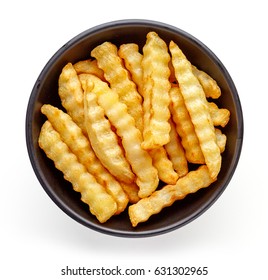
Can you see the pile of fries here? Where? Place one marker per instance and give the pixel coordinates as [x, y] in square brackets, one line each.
[133, 123]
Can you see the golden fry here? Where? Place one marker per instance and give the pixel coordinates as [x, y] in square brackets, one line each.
[133, 58]
[101, 204]
[220, 117]
[89, 66]
[124, 124]
[164, 166]
[78, 143]
[103, 140]
[176, 152]
[185, 127]
[197, 106]
[156, 92]
[221, 139]
[132, 191]
[191, 183]
[209, 85]
[71, 95]
[118, 78]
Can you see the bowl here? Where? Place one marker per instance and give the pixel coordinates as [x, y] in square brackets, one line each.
[45, 91]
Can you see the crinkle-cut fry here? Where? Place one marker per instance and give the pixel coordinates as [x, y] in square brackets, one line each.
[176, 152]
[209, 85]
[101, 204]
[71, 95]
[118, 77]
[191, 183]
[221, 139]
[132, 59]
[132, 191]
[220, 117]
[79, 144]
[156, 74]
[139, 159]
[89, 66]
[185, 127]
[103, 140]
[164, 166]
[196, 103]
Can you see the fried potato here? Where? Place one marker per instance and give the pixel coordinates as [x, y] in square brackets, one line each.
[132, 191]
[197, 106]
[103, 139]
[156, 88]
[79, 144]
[164, 166]
[209, 85]
[89, 66]
[221, 139]
[101, 204]
[176, 152]
[185, 127]
[132, 59]
[139, 159]
[71, 95]
[220, 117]
[118, 78]
[191, 183]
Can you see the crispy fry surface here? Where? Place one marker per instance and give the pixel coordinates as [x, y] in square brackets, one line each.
[133, 58]
[196, 104]
[176, 152]
[71, 94]
[209, 85]
[103, 139]
[101, 204]
[89, 66]
[164, 166]
[79, 144]
[185, 127]
[156, 88]
[220, 117]
[118, 77]
[124, 123]
[191, 183]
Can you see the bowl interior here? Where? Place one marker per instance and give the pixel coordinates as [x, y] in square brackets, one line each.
[45, 91]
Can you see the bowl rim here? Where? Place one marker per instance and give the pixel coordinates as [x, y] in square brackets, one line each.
[29, 117]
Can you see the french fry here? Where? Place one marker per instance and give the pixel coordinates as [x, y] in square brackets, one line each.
[197, 106]
[103, 140]
[221, 139]
[164, 166]
[101, 204]
[133, 58]
[176, 152]
[89, 66]
[71, 95]
[191, 183]
[118, 78]
[209, 85]
[185, 127]
[139, 159]
[156, 92]
[132, 191]
[220, 117]
[78, 143]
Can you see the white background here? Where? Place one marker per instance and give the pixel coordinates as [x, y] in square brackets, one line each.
[38, 239]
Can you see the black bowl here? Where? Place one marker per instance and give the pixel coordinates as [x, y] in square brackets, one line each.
[45, 91]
